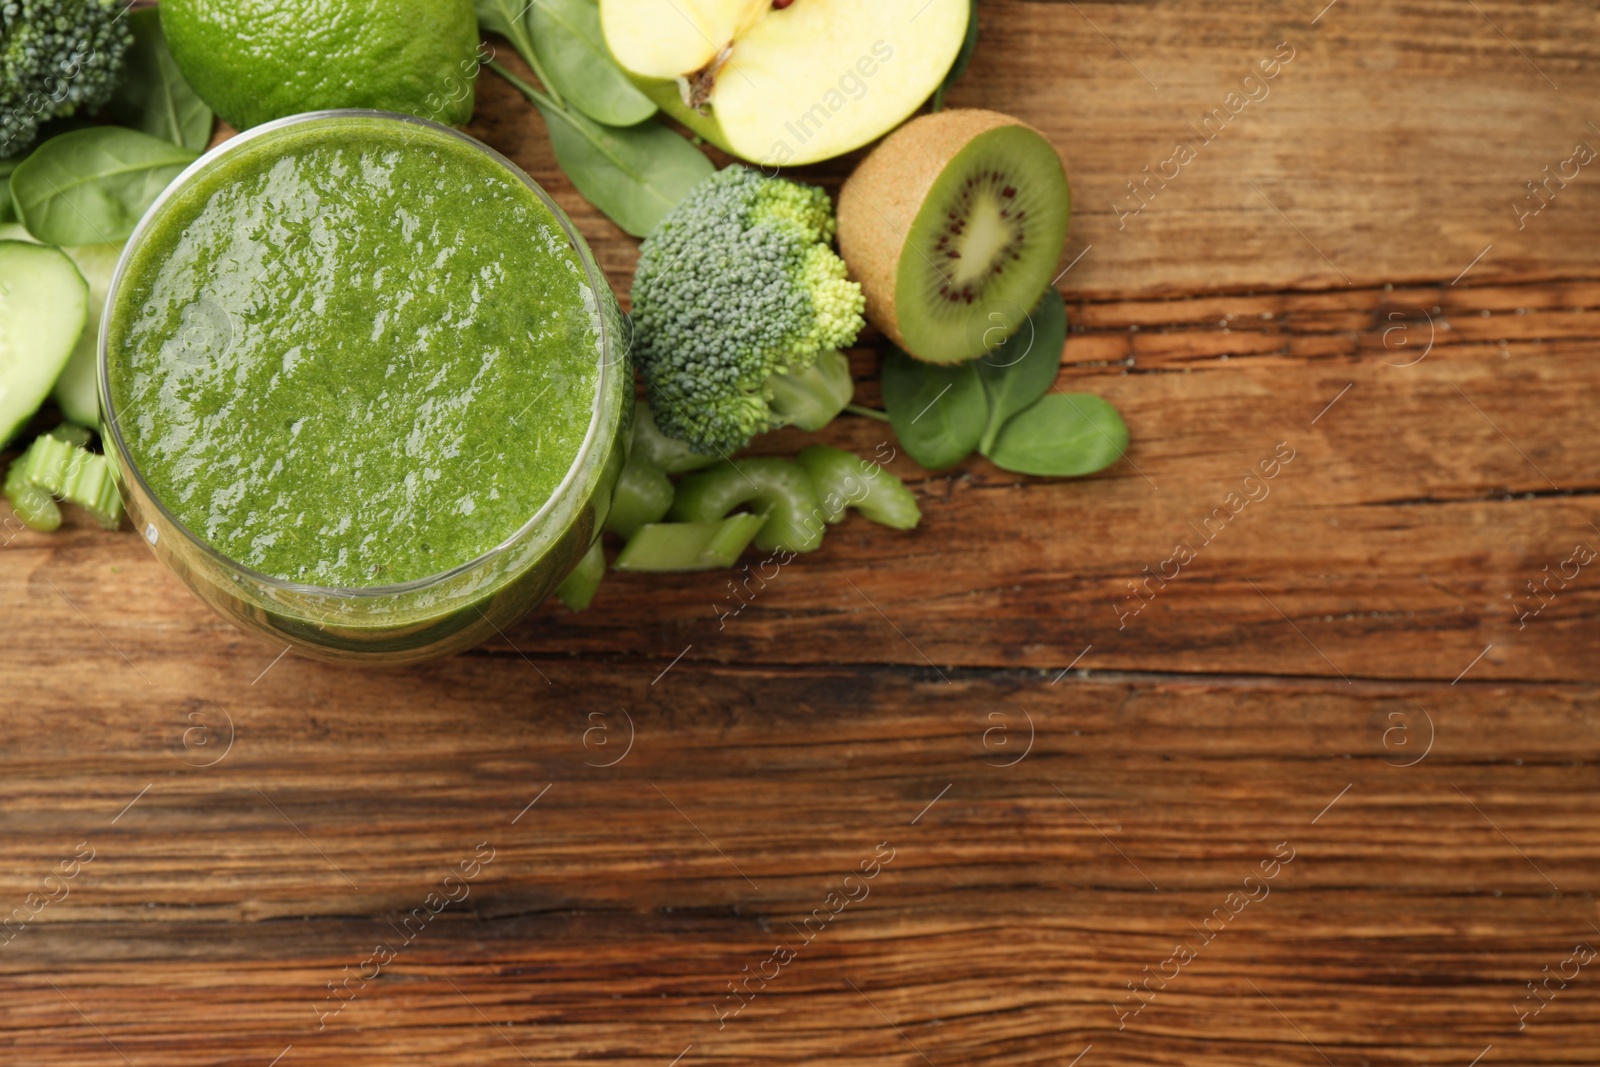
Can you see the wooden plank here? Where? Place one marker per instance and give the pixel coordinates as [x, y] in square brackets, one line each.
[1018, 902]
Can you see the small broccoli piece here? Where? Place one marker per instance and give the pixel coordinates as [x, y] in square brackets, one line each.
[737, 287]
[57, 58]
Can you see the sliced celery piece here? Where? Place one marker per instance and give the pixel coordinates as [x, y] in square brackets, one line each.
[578, 588]
[844, 480]
[768, 483]
[690, 546]
[58, 465]
[35, 507]
[644, 494]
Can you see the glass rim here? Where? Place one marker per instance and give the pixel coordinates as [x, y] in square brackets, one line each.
[596, 281]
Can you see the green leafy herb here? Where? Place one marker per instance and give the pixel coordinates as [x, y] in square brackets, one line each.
[1062, 435]
[635, 174]
[938, 410]
[153, 97]
[508, 19]
[969, 45]
[1023, 368]
[92, 186]
[567, 39]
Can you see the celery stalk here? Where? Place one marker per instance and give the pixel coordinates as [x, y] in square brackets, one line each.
[57, 465]
[689, 546]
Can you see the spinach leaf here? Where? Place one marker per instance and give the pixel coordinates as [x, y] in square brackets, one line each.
[508, 19]
[969, 45]
[1023, 367]
[938, 410]
[505, 18]
[566, 35]
[1062, 435]
[633, 174]
[92, 186]
[152, 96]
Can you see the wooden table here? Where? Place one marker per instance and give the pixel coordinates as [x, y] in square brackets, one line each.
[1077, 800]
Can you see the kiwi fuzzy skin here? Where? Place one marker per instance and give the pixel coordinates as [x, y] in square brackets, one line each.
[881, 200]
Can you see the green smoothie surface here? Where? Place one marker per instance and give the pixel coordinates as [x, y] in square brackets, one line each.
[354, 352]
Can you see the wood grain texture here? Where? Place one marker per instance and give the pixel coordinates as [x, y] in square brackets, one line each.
[1019, 900]
[1340, 672]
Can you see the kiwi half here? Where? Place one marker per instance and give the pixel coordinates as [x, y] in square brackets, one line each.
[954, 227]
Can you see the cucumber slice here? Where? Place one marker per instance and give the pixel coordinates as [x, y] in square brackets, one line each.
[77, 390]
[44, 303]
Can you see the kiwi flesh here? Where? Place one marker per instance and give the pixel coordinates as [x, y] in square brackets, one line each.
[954, 227]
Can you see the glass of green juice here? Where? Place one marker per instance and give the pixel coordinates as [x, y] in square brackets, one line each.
[364, 385]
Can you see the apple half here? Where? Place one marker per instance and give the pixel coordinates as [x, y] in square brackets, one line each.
[786, 82]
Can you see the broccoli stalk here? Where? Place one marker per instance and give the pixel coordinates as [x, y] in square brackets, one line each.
[740, 306]
[57, 58]
[810, 399]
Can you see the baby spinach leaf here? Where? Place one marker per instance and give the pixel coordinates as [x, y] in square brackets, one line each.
[153, 97]
[566, 35]
[937, 410]
[508, 18]
[969, 45]
[505, 18]
[635, 174]
[1062, 435]
[92, 186]
[1024, 366]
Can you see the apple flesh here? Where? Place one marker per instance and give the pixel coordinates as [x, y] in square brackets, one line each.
[792, 84]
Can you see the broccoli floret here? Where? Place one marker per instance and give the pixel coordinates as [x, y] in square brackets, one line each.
[57, 58]
[738, 288]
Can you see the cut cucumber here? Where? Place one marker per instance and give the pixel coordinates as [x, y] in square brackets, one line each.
[77, 390]
[44, 303]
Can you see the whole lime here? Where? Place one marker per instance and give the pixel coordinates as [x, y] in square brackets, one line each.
[257, 60]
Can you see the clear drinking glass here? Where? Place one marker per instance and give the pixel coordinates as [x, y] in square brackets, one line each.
[428, 617]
